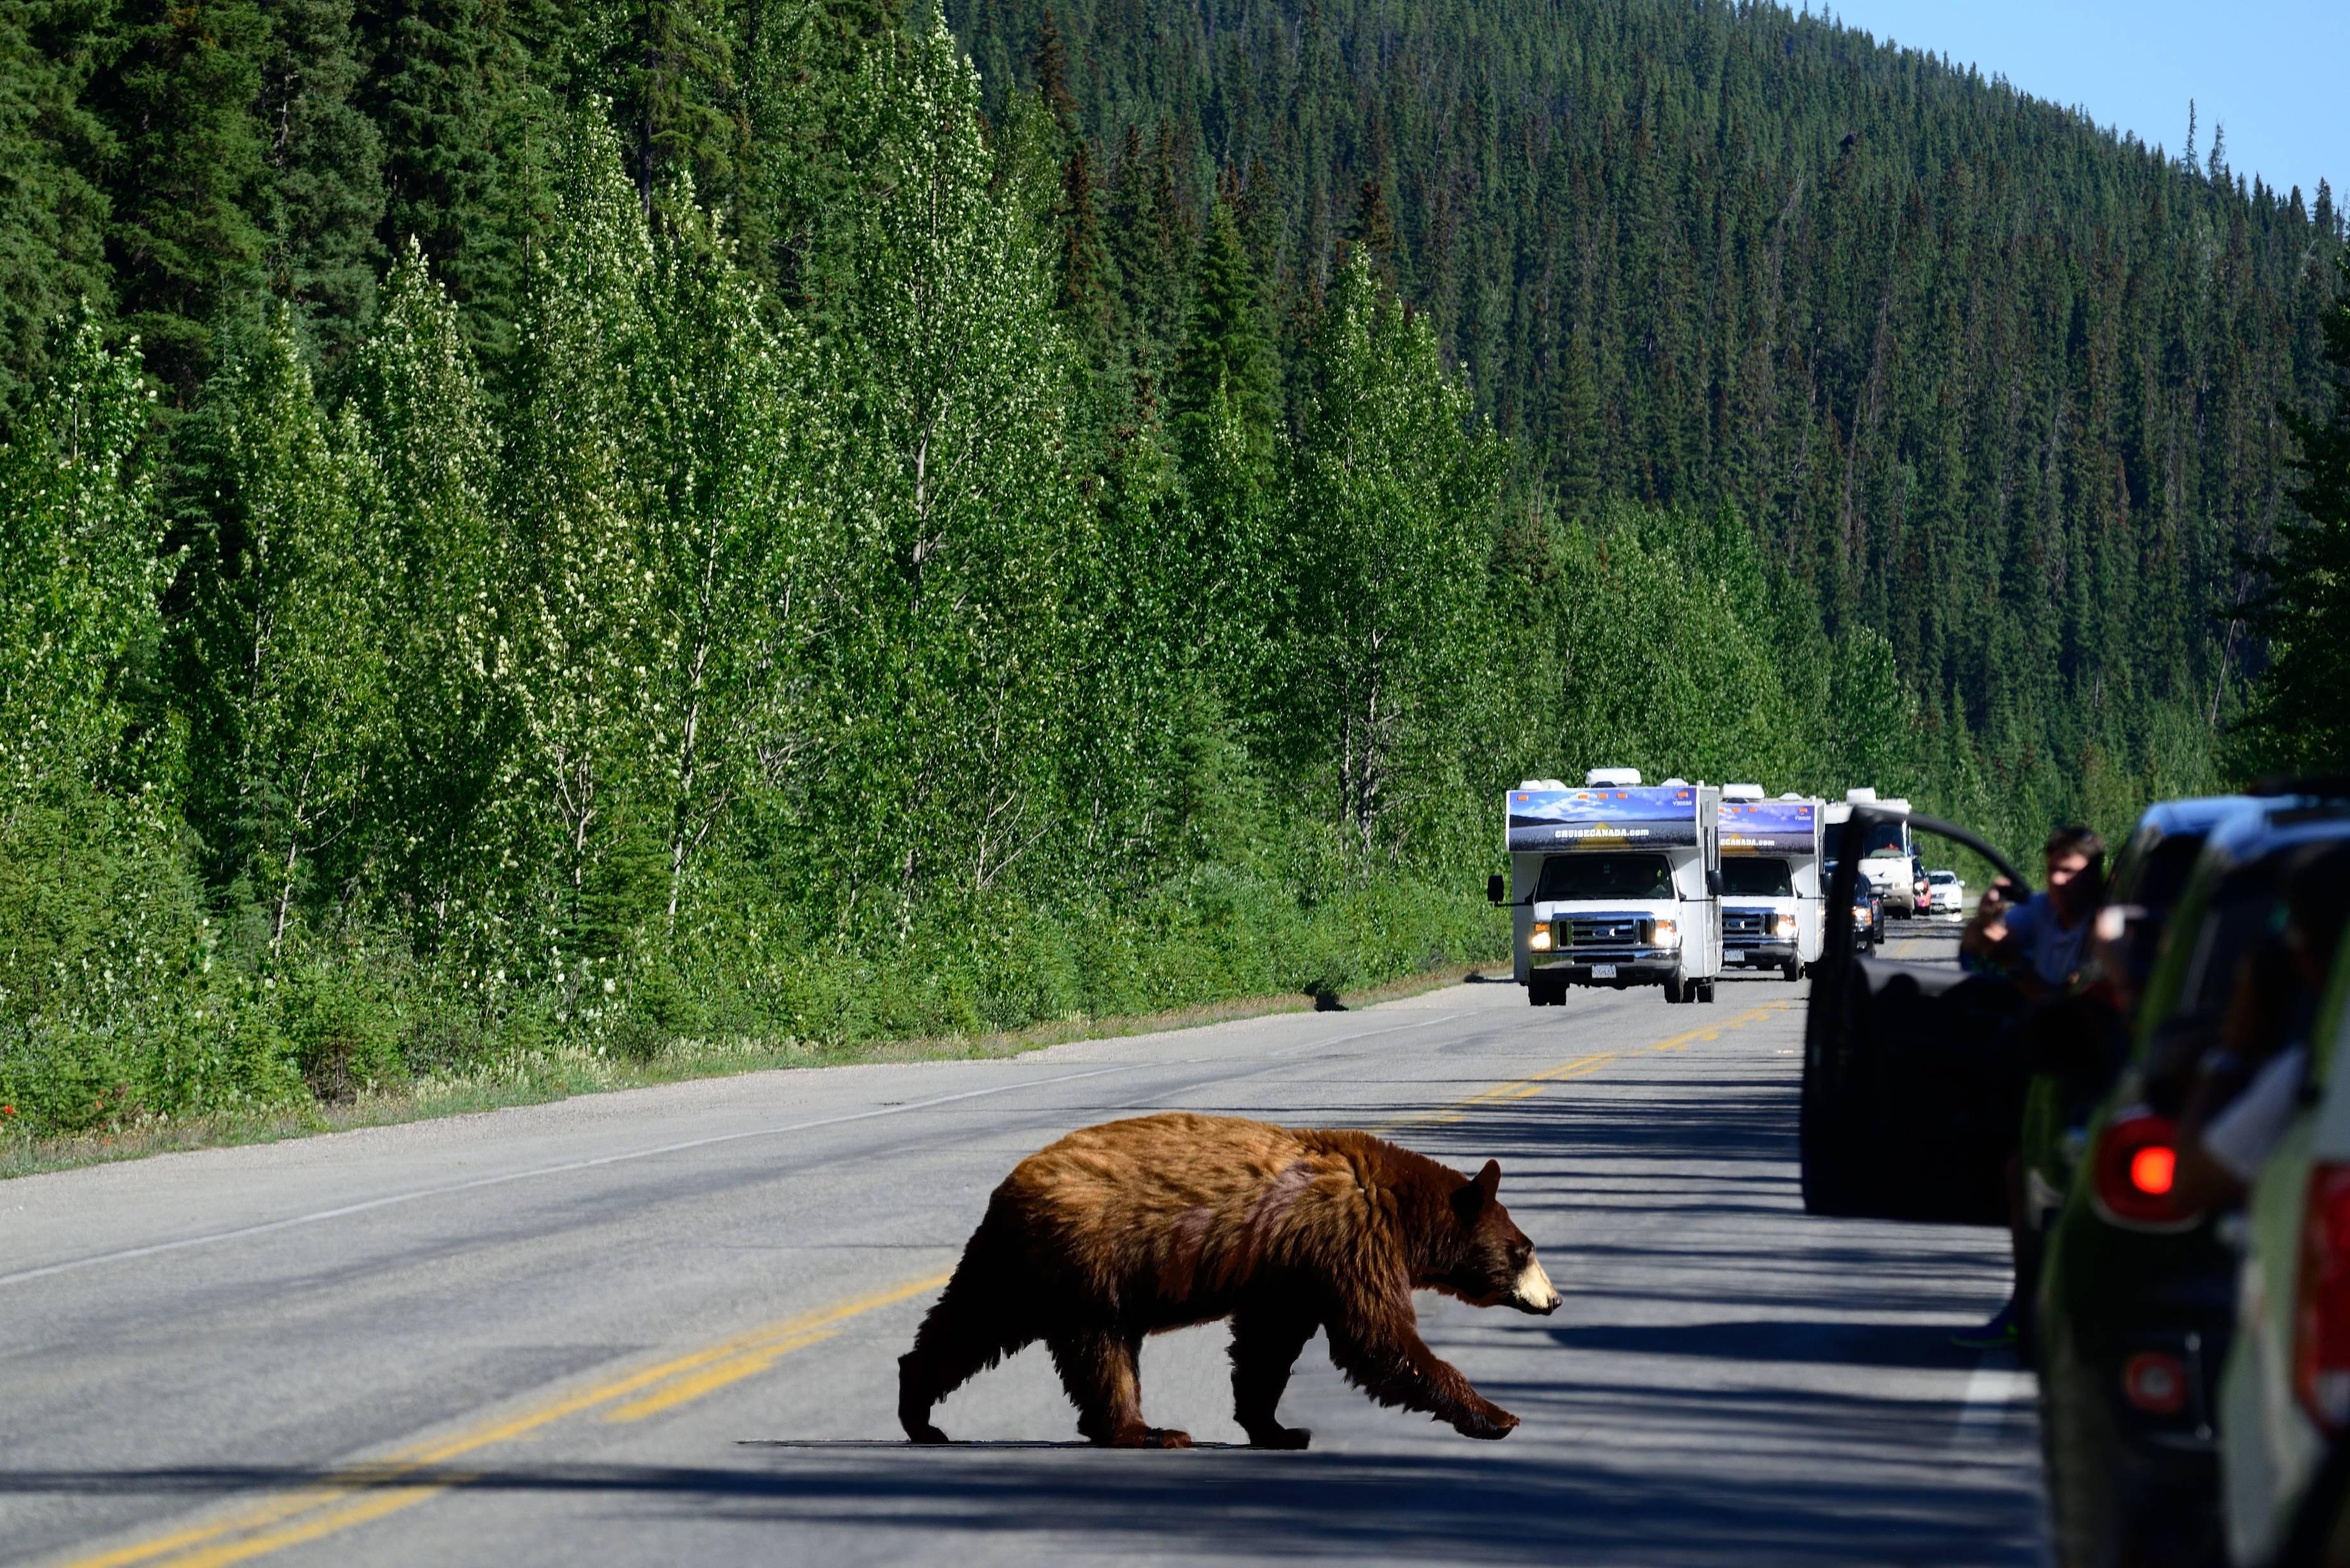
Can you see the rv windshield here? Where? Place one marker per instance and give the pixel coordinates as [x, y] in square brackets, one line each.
[1886, 838]
[1604, 877]
[1756, 877]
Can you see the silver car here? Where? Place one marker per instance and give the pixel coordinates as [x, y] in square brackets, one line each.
[1946, 895]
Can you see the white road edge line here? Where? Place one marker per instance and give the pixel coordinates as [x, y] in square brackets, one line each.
[1992, 1390]
[185, 1243]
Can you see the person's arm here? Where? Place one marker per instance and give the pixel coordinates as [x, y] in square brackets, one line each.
[1985, 931]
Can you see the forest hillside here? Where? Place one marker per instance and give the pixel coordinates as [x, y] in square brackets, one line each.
[535, 532]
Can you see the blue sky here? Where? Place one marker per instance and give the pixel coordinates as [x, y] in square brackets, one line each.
[2275, 72]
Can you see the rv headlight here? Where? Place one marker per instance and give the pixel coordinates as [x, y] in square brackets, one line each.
[1666, 933]
[1784, 925]
[1539, 940]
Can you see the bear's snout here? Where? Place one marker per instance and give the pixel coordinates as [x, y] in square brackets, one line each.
[1533, 1292]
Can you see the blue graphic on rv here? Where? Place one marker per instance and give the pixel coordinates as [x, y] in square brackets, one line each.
[1654, 814]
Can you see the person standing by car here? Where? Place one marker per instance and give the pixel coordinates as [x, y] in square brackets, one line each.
[2039, 945]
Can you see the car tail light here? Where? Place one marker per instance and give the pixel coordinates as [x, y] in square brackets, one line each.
[2155, 1383]
[2321, 1348]
[2136, 1171]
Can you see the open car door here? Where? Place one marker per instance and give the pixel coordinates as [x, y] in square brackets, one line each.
[1913, 1078]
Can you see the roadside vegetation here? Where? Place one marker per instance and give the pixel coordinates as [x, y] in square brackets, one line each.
[787, 545]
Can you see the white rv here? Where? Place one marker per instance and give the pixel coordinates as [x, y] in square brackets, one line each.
[1773, 897]
[1888, 858]
[1613, 884]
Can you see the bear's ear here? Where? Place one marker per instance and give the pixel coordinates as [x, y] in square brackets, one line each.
[1477, 1193]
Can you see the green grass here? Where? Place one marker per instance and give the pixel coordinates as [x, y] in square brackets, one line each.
[560, 1072]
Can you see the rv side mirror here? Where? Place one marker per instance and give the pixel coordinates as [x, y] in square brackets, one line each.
[1713, 881]
[1496, 892]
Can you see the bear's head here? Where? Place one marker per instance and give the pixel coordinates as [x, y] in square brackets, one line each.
[1489, 1261]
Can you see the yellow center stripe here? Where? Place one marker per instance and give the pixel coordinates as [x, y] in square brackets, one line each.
[1580, 1067]
[686, 1377]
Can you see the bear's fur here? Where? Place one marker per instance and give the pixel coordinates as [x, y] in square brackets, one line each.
[1135, 1227]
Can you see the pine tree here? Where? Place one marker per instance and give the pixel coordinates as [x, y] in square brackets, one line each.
[449, 92]
[669, 70]
[2295, 721]
[1226, 373]
[325, 174]
[52, 209]
[185, 180]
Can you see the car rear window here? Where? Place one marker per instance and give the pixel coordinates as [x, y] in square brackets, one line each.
[2243, 912]
[2162, 876]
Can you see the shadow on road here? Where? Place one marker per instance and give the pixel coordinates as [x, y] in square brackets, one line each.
[1482, 1506]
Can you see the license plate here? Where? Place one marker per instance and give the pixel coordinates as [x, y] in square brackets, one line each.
[1603, 972]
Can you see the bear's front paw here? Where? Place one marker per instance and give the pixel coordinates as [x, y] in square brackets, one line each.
[1290, 1437]
[924, 1432]
[1489, 1423]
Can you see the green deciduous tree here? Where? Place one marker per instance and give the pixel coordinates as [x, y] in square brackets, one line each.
[1391, 520]
[735, 543]
[425, 493]
[291, 705]
[953, 376]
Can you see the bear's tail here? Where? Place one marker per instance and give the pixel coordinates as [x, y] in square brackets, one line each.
[976, 1322]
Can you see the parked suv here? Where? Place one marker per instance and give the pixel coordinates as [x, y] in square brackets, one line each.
[2136, 1290]
[2074, 1060]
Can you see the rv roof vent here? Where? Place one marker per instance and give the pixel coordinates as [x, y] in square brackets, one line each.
[1860, 797]
[1741, 791]
[1611, 778]
[1674, 784]
[1791, 794]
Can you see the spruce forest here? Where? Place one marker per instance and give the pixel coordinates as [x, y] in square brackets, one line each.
[538, 532]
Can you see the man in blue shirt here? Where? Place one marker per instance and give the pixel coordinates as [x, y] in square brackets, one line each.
[2040, 945]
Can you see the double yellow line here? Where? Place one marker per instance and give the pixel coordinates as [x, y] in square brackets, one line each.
[356, 1494]
[1581, 1067]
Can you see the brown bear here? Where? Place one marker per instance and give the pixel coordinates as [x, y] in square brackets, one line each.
[1136, 1227]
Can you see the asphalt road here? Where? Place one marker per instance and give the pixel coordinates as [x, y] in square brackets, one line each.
[661, 1327]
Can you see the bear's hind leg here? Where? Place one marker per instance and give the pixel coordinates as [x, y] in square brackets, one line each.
[1099, 1369]
[1265, 1344]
